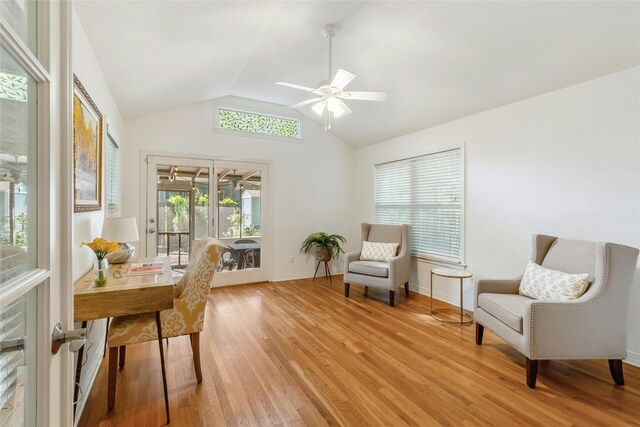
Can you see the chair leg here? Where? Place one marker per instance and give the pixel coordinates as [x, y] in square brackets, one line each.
[123, 353]
[406, 289]
[113, 371]
[615, 366]
[392, 297]
[195, 348]
[164, 372]
[532, 372]
[479, 333]
[366, 291]
[346, 289]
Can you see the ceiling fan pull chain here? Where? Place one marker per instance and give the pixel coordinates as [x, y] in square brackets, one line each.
[330, 37]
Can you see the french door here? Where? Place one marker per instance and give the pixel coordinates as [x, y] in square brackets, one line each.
[191, 198]
[35, 211]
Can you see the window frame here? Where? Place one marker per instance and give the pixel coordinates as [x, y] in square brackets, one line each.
[430, 257]
[110, 140]
[228, 131]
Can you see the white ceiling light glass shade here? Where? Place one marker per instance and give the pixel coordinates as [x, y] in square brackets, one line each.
[328, 101]
[319, 108]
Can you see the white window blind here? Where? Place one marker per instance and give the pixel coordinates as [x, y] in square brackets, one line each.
[425, 192]
[113, 174]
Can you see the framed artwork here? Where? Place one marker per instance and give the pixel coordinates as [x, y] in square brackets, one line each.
[87, 151]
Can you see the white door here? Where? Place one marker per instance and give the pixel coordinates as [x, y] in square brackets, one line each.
[35, 385]
[178, 208]
[189, 198]
[241, 222]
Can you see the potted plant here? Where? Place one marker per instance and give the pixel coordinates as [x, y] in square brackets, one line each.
[327, 246]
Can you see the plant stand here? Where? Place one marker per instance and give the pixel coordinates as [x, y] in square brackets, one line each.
[327, 271]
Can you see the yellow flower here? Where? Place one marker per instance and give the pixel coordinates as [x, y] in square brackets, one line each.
[101, 247]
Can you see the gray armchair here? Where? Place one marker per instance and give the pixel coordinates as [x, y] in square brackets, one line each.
[593, 326]
[381, 274]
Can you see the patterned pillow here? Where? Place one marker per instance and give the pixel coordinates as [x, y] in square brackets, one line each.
[378, 251]
[552, 285]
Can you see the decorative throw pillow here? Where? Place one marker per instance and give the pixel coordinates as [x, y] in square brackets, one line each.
[552, 285]
[377, 251]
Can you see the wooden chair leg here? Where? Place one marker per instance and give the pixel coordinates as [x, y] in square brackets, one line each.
[195, 348]
[392, 297]
[532, 372]
[479, 333]
[113, 371]
[406, 289]
[615, 367]
[346, 289]
[123, 353]
[366, 291]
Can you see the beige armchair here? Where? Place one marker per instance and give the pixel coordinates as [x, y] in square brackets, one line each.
[381, 274]
[593, 326]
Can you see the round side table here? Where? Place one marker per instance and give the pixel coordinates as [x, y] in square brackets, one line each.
[450, 274]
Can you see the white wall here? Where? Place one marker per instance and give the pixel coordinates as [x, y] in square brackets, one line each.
[310, 179]
[87, 226]
[566, 163]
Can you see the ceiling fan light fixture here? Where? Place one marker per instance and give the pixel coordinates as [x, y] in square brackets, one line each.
[319, 108]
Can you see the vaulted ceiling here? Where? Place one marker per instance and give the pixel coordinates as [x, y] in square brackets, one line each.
[438, 61]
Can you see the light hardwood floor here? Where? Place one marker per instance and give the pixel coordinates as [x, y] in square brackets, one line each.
[300, 353]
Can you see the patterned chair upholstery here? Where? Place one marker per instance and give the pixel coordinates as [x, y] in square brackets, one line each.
[185, 318]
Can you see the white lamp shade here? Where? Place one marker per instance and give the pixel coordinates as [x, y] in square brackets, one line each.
[121, 230]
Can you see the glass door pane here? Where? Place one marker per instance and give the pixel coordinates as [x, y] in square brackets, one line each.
[239, 224]
[17, 361]
[182, 210]
[18, 144]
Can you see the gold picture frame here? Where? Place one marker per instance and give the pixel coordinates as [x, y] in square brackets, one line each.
[87, 151]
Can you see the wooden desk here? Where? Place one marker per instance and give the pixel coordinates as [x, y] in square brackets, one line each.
[121, 296]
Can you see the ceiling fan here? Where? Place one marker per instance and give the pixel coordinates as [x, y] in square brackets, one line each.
[329, 96]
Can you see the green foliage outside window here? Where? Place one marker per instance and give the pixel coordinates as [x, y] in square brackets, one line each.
[259, 123]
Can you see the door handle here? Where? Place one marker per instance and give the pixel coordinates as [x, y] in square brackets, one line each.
[151, 230]
[60, 336]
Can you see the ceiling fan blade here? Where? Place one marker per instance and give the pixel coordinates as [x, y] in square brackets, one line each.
[305, 88]
[319, 108]
[342, 78]
[303, 103]
[365, 96]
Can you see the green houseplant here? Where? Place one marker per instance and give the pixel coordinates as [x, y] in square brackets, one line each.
[327, 246]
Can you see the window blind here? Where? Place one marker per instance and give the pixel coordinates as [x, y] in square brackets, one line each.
[425, 192]
[112, 178]
[12, 363]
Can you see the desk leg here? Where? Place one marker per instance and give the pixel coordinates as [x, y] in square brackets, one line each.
[164, 373]
[431, 294]
[76, 386]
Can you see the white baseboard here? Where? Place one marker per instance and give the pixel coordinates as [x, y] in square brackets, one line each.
[441, 296]
[633, 358]
[301, 275]
[92, 372]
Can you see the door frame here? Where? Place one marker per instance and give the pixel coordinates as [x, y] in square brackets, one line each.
[266, 206]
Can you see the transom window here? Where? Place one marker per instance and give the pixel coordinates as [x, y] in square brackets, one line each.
[427, 193]
[258, 123]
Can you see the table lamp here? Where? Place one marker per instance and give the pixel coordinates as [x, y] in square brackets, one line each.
[122, 230]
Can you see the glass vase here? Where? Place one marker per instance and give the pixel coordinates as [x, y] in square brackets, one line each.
[100, 270]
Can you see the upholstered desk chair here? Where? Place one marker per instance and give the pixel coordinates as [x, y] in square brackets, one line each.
[185, 318]
[593, 326]
[390, 274]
